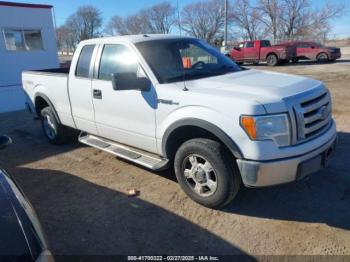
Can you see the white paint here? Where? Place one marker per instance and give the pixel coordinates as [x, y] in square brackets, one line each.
[136, 118]
[12, 63]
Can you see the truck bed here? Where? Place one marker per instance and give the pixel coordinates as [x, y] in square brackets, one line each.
[53, 83]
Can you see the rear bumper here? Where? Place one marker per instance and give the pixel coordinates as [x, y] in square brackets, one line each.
[274, 172]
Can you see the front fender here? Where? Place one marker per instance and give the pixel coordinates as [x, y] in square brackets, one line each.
[225, 128]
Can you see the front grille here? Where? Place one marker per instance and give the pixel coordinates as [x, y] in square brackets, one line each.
[313, 116]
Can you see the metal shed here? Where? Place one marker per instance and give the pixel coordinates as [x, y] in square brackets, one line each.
[27, 42]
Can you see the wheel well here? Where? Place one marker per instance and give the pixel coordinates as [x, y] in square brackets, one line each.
[184, 133]
[40, 104]
[272, 53]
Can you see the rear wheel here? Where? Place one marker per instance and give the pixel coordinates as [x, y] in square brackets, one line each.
[322, 57]
[206, 173]
[272, 60]
[56, 133]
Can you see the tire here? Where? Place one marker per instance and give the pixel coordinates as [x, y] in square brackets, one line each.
[199, 161]
[295, 60]
[272, 60]
[322, 57]
[56, 133]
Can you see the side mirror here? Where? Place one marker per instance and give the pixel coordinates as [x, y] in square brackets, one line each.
[130, 81]
[237, 48]
[4, 141]
[312, 47]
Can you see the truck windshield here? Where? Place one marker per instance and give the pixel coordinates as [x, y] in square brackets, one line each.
[174, 60]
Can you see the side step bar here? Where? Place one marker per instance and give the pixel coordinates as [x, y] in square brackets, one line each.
[131, 154]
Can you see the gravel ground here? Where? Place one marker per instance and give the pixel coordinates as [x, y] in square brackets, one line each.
[80, 196]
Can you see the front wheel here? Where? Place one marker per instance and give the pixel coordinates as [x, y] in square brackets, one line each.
[207, 173]
[322, 57]
[272, 60]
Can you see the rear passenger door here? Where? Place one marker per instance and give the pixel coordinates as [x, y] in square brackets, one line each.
[80, 89]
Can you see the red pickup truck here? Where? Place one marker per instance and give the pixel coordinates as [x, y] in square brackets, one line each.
[314, 51]
[262, 50]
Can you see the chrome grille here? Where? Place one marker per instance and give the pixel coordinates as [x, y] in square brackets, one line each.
[313, 116]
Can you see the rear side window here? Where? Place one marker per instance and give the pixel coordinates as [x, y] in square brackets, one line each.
[83, 66]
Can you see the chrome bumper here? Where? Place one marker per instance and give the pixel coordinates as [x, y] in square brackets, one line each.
[274, 172]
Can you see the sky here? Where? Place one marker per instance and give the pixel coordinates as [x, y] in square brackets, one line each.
[109, 8]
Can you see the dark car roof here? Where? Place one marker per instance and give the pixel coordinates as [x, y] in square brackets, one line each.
[12, 238]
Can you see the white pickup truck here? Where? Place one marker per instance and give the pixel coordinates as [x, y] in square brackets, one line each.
[162, 101]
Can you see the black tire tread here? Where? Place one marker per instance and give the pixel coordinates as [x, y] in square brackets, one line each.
[222, 156]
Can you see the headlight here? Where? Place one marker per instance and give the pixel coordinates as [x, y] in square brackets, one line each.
[269, 127]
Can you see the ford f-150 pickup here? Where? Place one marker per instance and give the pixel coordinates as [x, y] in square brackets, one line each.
[262, 50]
[168, 101]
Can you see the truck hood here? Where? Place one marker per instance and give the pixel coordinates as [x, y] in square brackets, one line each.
[268, 88]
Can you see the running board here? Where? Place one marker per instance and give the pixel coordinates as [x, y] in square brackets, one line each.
[131, 154]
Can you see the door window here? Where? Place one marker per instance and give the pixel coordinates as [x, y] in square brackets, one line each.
[117, 59]
[249, 44]
[84, 62]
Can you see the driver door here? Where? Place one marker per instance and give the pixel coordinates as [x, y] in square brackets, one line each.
[124, 116]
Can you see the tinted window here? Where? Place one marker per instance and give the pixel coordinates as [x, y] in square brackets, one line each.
[303, 45]
[83, 66]
[249, 44]
[175, 60]
[117, 59]
[265, 43]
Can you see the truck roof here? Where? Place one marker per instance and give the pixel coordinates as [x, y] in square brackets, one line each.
[134, 38]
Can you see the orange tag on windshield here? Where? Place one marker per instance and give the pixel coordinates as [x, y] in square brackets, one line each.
[187, 63]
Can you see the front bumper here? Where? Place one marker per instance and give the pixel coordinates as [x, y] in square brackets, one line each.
[274, 172]
[335, 56]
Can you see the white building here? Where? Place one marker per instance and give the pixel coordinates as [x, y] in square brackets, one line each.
[27, 42]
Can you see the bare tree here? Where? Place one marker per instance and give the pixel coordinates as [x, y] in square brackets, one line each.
[66, 40]
[204, 20]
[270, 14]
[247, 17]
[160, 17]
[157, 19]
[299, 20]
[134, 24]
[85, 22]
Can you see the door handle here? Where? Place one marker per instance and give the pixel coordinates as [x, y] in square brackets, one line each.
[97, 94]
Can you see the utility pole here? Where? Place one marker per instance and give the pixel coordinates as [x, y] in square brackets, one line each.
[225, 34]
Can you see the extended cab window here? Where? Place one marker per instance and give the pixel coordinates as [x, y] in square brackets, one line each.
[117, 59]
[83, 66]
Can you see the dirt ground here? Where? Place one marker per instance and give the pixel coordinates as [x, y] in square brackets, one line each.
[80, 196]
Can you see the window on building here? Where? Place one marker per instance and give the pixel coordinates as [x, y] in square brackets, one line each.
[23, 40]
